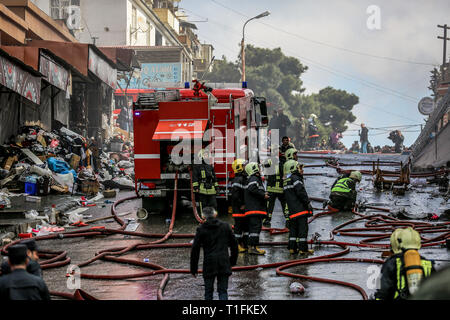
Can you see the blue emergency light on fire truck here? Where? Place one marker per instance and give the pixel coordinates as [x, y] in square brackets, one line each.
[175, 124]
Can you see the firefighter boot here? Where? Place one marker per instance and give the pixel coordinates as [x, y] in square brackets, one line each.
[241, 248]
[256, 250]
[303, 245]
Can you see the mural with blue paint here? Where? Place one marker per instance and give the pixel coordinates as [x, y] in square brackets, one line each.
[152, 74]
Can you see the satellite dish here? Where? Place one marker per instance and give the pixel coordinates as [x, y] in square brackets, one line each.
[426, 106]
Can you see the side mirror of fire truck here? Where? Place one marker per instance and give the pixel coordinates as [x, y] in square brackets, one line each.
[261, 103]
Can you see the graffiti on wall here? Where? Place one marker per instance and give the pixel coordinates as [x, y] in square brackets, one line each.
[153, 75]
[18, 80]
[102, 69]
[54, 73]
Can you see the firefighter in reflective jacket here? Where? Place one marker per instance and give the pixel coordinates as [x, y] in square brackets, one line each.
[238, 205]
[343, 192]
[299, 208]
[255, 206]
[204, 181]
[274, 177]
[403, 271]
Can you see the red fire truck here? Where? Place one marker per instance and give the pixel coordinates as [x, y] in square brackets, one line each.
[171, 126]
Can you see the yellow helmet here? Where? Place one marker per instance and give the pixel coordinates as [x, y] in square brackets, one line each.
[267, 163]
[408, 239]
[252, 168]
[203, 154]
[238, 165]
[290, 153]
[395, 246]
[356, 175]
[291, 166]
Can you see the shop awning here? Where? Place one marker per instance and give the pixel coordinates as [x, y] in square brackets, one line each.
[175, 130]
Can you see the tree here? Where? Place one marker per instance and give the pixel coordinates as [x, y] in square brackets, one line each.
[278, 78]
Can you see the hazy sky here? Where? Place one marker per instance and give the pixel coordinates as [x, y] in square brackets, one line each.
[388, 68]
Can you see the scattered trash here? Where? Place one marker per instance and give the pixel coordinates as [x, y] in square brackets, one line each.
[32, 215]
[297, 287]
[32, 199]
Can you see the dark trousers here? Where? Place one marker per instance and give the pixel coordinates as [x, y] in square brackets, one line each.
[254, 228]
[271, 204]
[207, 200]
[342, 203]
[241, 231]
[222, 287]
[298, 233]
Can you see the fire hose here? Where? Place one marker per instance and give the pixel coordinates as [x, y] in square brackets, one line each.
[375, 223]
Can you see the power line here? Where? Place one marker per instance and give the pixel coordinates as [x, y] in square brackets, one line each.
[337, 72]
[327, 44]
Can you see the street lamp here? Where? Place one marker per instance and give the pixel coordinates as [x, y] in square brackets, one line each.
[264, 14]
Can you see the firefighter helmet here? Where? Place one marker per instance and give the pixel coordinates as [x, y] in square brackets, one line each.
[238, 165]
[394, 241]
[290, 153]
[202, 154]
[267, 163]
[356, 175]
[252, 168]
[408, 239]
[291, 166]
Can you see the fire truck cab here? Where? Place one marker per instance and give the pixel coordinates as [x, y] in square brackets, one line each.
[171, 126]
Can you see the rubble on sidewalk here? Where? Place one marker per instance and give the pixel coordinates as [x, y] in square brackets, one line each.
[37, 163]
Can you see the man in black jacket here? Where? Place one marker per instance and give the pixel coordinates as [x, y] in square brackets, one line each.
[19, 284]
[299, 208]
[33, 265]
[215, 237]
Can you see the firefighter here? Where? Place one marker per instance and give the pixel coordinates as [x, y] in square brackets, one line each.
[299, 208]
[238, 205]
[343, 192]
[255, 206]
[204, 181]
[403, 272]
[274, 179]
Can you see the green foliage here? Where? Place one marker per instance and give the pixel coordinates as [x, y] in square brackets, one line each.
[277, 77]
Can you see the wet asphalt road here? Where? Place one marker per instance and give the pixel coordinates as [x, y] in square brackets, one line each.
[260, 284]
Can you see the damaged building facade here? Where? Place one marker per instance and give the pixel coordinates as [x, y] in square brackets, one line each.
[50, 79]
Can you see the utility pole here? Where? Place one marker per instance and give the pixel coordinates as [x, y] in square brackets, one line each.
[445, 27]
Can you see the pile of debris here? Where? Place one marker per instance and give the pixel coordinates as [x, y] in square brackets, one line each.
[37, 163]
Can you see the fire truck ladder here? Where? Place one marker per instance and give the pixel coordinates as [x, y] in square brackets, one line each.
[223, 151]
[149, 100]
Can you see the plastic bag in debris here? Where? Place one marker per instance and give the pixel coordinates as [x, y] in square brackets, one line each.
[124, 182]
[61, 167]
[125, 164]
[32, 215]
[67, 179]
[4, 201]
[86, 174]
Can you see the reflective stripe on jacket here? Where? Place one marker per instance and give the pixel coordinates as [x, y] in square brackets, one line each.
[237, 194]
[204, 179]
[296, 196]
[275, 181]
[343, 185]
[254, 195]
[402, 291]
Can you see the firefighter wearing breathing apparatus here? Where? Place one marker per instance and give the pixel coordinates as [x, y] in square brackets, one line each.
[402, 272]
[204, 181]
[255, 206]
[238, 205]
[273, 172]
[299, 208]
[343, 192]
